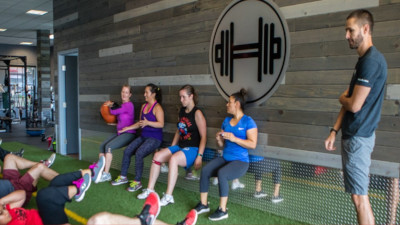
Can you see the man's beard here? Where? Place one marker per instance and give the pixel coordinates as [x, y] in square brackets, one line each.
[356, 42]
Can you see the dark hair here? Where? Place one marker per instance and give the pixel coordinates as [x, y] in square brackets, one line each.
[363, 17]
[240, 97]
[127, 86]
[190, 91]
[155, 89]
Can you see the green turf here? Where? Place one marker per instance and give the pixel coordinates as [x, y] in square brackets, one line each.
[104, 197]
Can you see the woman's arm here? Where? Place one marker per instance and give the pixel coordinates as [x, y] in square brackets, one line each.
[15, 199]
[249, 143]
[134, 126]
[202, 127]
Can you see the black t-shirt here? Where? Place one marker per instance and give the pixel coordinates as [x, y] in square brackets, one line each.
[189, 135]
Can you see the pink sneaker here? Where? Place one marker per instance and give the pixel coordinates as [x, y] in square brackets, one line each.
[151, 209]
[191, 218]
[49, 162]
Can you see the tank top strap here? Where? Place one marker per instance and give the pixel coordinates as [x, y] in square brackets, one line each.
[144, 108]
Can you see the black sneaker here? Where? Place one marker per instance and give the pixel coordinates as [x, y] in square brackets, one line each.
[218, 215]
[200, 208]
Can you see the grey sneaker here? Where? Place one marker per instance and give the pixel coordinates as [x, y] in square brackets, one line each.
[82, 184]
[276, 199]
[134, 186]
[120, 180]
[164, 168]
[97, 169]
[167, 199]
[192, 176]
[260, 194]
[237, 185]
[218, 215]
[145, 193]
[49, 162]
[20, 153]
[105, 177]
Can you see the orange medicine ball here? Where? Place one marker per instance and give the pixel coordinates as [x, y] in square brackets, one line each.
[107, 116]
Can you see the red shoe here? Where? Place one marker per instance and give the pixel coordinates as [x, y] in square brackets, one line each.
[191, 218]
[151, 209]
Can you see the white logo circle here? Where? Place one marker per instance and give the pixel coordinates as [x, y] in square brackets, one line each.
[250, 48]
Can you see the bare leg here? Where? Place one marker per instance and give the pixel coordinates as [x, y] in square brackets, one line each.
[177, 159]
[109, 158]
[108, 218]
[162, 156]
[222, 203]
[41, 170]
[203, 198]
[258, 185]
[17, 163]
[393, 200]
[276, 189]
[363, 208]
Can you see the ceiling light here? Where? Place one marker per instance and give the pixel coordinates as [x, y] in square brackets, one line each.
[36, 12]
[2, 29]
[26, 43]
[51, 36]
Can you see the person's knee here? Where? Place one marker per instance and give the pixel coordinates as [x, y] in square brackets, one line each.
[158, 157]
[99, 218]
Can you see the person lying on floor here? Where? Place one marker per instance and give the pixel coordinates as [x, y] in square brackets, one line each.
[50, 200]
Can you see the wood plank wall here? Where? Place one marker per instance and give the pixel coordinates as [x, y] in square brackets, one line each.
[175, 42]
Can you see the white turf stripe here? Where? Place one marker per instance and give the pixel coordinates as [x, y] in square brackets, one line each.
[325, 6]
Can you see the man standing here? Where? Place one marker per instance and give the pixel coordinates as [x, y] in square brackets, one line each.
[360, 112]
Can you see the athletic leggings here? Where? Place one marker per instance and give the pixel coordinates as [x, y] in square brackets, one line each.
[140, 147]
[116, 141]
[267, 165]
[3, 154]
[51, 200]
[225, 171]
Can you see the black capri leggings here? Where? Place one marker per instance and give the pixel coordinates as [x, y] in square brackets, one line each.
[225, 171]
[51, 200]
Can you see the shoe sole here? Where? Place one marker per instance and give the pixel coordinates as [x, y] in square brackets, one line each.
[203, 211]
[260, 196]
[220, 218]
[116, 184]
[132, 190]
[98, 178]
[277, 201]
[169, 203]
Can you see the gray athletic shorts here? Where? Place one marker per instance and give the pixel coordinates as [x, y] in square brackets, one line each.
[356, 160]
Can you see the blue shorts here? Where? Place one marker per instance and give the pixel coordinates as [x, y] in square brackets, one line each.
[356, 160]
[190, 154]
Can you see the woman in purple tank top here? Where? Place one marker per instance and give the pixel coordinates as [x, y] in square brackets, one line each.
[151, 123]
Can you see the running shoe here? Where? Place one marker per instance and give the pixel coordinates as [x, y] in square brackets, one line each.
[134, 186]
[167, 199]
[49, 162]
[82, 184]
[237, 185]
[218, 215]
[120, 180]
[190, 219]
[200, 208]
[151, 209]
[276, 199]
[145, 193]
[105, 177]
[97, 169]
[260, 194]
[164, 168]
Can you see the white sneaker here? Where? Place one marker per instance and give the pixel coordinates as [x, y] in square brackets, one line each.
[236, 185]
[145, 193]
[167, 199]
[105, 177]
[164, 168]
[215, 181]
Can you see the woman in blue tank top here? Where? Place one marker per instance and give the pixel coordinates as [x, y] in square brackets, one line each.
[238, 134]
[151, 122]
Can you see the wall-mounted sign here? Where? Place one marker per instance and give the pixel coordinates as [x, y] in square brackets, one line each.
[250, 48]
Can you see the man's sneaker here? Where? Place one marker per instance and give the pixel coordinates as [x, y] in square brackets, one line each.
[167, 199]
[105, 177]
[260, 194]
[164, 168]
[218, 215]
[134, 186]
[49, 162]
[236, 185]
[276, 199]
[192, 176]
[151, 209]
[20, 153]
[97, 169]
[191, 218]
[120, 180]
[82, 184]
[215, 181]
[200, 208]
[144, 194]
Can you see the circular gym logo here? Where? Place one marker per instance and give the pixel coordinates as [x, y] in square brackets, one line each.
[249, 49]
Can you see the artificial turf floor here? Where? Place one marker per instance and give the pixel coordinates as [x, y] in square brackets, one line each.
[115, 199]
